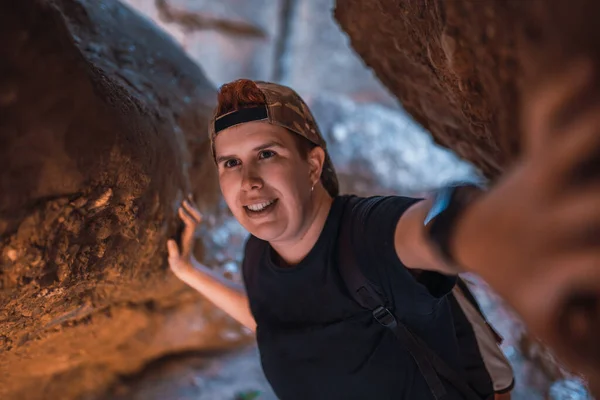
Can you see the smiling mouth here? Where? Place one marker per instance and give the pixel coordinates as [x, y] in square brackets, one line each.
[260, 208]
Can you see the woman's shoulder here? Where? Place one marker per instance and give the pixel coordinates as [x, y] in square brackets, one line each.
[363, 208]
[357, 202]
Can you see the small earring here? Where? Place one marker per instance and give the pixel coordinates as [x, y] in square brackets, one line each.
[312, 188]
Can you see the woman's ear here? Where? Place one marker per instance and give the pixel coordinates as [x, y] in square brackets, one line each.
[316, 160]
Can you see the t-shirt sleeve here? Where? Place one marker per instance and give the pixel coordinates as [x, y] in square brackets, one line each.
[375, 221]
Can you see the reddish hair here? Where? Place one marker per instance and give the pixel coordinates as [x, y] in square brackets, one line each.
[244, 93]
[235, 95]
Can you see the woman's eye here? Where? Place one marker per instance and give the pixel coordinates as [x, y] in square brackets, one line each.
[231, 163]
[266, 154]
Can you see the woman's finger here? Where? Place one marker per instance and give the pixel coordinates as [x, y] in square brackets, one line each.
[541, 297]
[577, 212]
[544, 106]
[576, 206]
[186, 217]
[578, 321]
[187, 236]
[581, 141]
[193, 211]
[172, 248]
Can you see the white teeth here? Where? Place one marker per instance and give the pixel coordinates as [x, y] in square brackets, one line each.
[260, 206]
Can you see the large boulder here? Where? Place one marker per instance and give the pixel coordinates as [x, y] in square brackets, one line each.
[101, 115]
[460, 68]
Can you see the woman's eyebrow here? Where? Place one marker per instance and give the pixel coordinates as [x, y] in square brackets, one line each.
[220, 159]
[269, 144]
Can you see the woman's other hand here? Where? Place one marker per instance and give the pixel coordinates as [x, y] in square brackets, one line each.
[535, 237]
[181, 258]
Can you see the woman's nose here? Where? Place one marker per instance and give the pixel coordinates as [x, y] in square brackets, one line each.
[251, 180]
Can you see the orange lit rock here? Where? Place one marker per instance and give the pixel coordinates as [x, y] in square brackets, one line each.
[101, 116]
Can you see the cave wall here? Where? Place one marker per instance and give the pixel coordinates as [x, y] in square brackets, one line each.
[102, 123]
[460, 68]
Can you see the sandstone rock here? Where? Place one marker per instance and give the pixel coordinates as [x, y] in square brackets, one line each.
[436, 59]
[460, 67]
[101, 115]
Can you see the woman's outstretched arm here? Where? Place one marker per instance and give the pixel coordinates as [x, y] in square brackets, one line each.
[222, 292]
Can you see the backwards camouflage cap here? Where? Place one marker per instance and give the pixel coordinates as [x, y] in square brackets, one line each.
[284, 108]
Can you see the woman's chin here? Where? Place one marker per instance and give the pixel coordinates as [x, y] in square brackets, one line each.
[268, 232]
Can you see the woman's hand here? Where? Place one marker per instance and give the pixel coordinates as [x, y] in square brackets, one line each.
[535, 237]
[181, 259]
[229, 296]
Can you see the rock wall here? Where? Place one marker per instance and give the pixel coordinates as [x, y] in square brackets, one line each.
[102, 122]
[460, 68]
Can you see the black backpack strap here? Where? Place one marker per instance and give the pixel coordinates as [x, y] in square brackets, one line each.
[364, 293]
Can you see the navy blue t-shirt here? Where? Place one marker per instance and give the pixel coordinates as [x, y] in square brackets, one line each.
[316, 342]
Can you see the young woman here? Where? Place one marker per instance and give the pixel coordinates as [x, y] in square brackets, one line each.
[315, 341]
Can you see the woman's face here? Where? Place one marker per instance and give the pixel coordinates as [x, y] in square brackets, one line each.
[265, 180]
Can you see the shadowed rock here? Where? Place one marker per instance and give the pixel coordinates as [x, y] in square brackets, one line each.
[100, 117]
[460, 67]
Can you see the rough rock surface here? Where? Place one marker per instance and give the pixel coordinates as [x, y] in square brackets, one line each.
[100, 115]
[460, 67]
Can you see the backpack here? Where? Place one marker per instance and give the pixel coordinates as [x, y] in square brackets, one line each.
[432, 367]
[485, 364]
